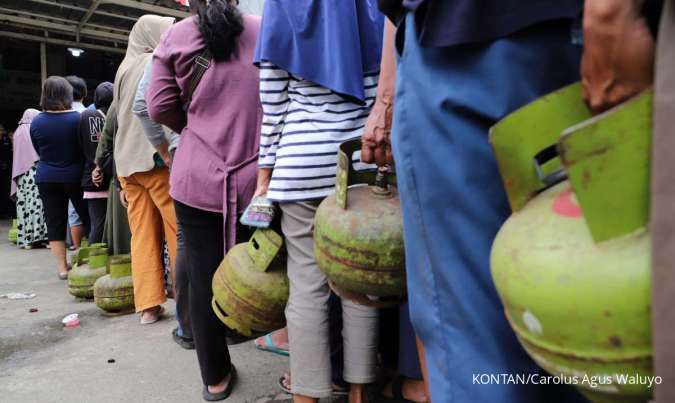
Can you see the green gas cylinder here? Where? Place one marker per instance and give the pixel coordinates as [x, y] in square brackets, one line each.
[13, 233]
[358, 232]
[114, 292]
[80, 255]
[250, 287]
[572, 263]
[82, 278]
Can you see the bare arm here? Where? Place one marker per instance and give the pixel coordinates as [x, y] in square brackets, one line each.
[618, 60]
[264, 177]
[376, 144]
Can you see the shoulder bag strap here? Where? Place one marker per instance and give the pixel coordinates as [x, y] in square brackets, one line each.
[202, 63]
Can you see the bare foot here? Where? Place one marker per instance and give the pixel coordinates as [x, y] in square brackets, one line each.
[279, 339]
[411, 389]
[357, 394]
[151, 315]
[63, 270]
[221, 386]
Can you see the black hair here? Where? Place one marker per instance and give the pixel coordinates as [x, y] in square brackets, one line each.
[79, 87]
[57, 94]
[220, 24]
[103, 96]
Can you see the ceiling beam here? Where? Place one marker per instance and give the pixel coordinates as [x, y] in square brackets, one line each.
[139, 5]
[86, 17]
[53, 41]
[26, 13]
[62, 27]
[72, 7]
[56, 4]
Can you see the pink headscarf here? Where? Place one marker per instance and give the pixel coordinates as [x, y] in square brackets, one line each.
[24, 152]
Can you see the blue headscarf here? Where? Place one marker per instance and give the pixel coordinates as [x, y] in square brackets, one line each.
[332, 43]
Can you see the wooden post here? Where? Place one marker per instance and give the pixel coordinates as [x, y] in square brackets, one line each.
[43, 61]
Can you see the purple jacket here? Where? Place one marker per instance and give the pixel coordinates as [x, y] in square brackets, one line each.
[215, 166]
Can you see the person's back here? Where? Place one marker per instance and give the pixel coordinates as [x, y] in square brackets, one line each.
[91, 126]
[54, 136]
[223, 119]
[92, 123]
[214, 168]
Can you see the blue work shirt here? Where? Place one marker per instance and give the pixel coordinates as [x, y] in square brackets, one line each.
[447, 23]
[55, 138]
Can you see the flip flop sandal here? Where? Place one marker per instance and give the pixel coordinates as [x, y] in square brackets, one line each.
[214, 397]
[186, 343]
[160, 313]
[337, 390]
[283, 386]
[269, 346]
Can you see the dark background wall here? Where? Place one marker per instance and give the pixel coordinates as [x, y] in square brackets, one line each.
[20, 86]
[20, 74]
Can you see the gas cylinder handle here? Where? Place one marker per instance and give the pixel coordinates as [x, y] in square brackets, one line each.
[542, 157]
[264, 248]
[347, 175]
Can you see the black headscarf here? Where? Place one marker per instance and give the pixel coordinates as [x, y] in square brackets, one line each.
[103, 95]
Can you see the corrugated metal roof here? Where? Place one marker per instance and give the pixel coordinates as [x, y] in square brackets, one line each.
[96, 24]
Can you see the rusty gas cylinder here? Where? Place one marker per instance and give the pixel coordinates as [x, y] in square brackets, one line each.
[358, 232]
[114, 292]
[13, 233]
[82, 253]
[250, 287]
[572, 263]
[82, 278]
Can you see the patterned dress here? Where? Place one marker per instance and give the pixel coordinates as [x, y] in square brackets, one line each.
[29, 211]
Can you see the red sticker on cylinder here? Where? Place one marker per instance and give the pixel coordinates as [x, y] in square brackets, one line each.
[566, 205]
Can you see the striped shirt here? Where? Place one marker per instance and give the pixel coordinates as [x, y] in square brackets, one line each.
[303, 125]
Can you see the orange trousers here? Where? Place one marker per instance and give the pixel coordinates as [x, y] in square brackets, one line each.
[152, 219]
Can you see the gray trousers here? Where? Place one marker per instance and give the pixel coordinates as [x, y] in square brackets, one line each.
[307, 314]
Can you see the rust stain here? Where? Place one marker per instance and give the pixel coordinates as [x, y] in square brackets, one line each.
[327, 244]
[586, 178]
[515, 254]
[241, 306]
[570, 355]
[615, 341]
[395, 271]
[564, 154]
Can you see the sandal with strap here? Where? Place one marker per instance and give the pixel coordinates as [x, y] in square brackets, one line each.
[214, 397]
[157, 318]
[269, 345]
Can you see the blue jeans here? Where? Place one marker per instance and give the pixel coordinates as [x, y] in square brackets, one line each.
[453, 200]
[73, 219]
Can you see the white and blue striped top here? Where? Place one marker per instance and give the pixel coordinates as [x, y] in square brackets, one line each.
[303, 125]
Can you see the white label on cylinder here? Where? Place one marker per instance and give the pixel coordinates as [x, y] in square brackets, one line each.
[532, 323]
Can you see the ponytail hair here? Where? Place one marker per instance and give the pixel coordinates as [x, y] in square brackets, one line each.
[220, 24]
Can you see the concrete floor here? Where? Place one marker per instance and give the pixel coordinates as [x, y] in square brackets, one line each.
[40, 361]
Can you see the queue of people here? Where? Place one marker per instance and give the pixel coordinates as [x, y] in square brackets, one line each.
[211, 111]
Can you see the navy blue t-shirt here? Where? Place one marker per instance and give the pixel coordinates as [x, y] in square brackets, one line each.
[55, 137]
[446, 23]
